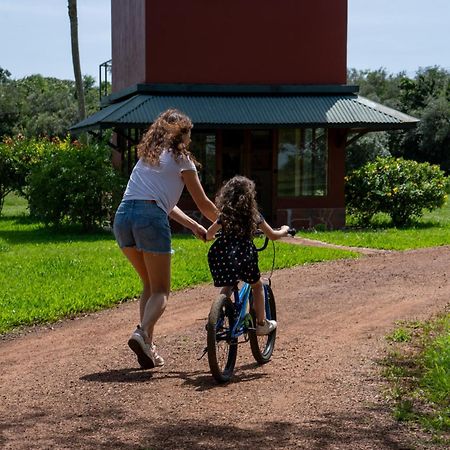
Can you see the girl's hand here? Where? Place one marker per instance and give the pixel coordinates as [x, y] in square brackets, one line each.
[285, 230]
[200, 232]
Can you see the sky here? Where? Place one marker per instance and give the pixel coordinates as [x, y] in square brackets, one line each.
[398, 35]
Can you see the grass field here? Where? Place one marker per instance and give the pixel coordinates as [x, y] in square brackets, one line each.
[432, 230]
[418, 370]
[51, 274]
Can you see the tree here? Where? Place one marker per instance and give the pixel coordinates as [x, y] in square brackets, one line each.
[429, 83]
[426, 96]
[47, 106]
[377, 85]
[42, 106]
[73, 15]
[366, 149]
[4, 75]
[9, 109]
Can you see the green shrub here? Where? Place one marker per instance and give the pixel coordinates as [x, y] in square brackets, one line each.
[8, 178]
[400, 188]
[17, 156]
[76, 184]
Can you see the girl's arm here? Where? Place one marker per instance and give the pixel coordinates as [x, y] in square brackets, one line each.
[212, 230]
[183, 219]
[195, 188]
[271, 233]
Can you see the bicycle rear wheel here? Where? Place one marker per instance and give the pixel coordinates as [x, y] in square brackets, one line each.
[222, 349]
[262, 346]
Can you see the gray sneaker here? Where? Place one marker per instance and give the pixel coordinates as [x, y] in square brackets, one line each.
[141, 348]
[267, 328]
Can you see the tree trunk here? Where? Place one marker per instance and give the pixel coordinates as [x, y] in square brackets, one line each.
[73, 15]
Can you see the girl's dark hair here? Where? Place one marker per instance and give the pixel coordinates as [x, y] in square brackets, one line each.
[238, 210]
[166, 132]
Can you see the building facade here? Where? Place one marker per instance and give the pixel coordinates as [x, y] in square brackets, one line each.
[265, 85]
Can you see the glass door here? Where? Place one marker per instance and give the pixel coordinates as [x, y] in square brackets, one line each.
[261, 169]
[233, 153]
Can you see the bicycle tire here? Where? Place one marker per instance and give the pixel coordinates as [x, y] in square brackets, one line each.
[262, 346]
[222, 349]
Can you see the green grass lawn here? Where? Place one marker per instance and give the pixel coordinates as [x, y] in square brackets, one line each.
[52, 274]
[432, 230]
[418, 371]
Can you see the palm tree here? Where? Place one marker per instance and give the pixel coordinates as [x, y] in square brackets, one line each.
[73, 15]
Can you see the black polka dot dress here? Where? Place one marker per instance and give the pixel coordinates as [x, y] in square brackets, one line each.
[231, 259]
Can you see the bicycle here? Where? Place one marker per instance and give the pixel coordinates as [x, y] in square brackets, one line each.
[230, 319]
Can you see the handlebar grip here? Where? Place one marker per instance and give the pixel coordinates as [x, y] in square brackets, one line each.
[292, 231]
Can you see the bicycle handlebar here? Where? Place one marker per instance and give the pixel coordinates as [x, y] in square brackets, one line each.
[291, 232]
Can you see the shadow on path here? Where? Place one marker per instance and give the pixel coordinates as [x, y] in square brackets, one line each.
[353, 431]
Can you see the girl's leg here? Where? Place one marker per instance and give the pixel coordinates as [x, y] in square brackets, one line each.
[258, 302]
[263, 326]
[227, 290]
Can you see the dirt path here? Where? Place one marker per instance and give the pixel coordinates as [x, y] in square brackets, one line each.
[77, 386]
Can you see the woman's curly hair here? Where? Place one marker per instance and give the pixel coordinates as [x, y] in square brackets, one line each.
[238, 210]
[166, 132]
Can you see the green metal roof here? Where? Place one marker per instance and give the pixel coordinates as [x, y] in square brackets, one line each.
[211, 111]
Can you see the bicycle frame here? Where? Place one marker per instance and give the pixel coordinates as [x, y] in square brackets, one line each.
[244, 321]
[241, 305]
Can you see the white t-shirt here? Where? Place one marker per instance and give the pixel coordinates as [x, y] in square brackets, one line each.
[162, 183]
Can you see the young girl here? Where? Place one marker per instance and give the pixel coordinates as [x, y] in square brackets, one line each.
[233, 255]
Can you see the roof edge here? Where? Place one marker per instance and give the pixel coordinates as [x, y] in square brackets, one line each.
[388, 110]
[229, 89]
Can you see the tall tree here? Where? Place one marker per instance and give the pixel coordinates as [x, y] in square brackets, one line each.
[73, 15]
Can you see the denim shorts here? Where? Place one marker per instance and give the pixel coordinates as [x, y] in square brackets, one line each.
[143, 225]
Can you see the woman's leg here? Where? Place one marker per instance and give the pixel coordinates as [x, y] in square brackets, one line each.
[136, 259]
[158, 270]
[154, 271]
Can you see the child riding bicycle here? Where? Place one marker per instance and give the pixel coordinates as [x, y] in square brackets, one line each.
[233, 256]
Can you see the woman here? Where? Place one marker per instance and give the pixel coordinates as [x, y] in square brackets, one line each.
[141, 224]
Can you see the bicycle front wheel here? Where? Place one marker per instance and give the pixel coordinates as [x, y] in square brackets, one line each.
[222, 348]
[262, 346]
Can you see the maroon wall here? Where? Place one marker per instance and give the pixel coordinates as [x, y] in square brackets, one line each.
[128, 43]
[232, 42]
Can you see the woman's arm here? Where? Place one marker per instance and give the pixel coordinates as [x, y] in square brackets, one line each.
[183, 219]
[271, 233]
[204, 204]
[212, 230]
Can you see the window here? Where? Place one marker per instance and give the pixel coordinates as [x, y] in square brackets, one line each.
[302, 162]
[203, 147]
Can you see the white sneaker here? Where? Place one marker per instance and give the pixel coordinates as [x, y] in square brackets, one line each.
[159, 361]
[146, 354]
[267, 328]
